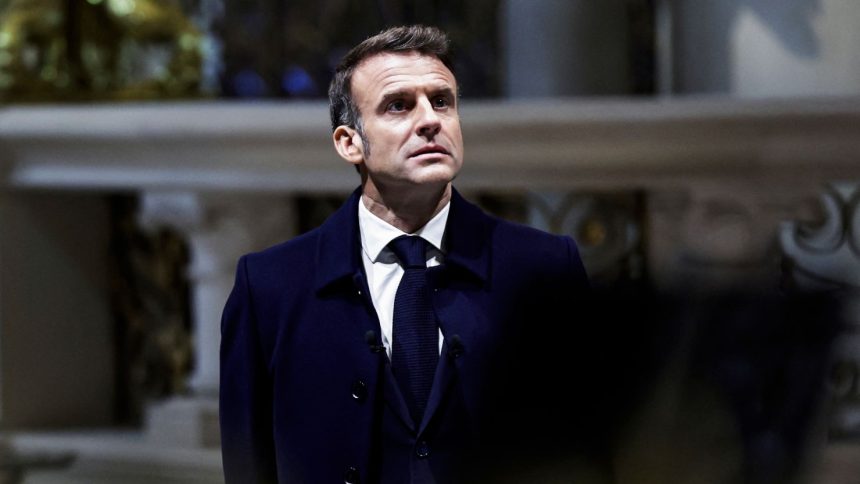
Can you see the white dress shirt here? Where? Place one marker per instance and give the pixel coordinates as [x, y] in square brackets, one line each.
[382, 267]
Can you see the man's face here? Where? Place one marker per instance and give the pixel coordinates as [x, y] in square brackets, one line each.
[408, 106]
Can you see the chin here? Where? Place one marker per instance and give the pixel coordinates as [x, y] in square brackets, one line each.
[439, 175]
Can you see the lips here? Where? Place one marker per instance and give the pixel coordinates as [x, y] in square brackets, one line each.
[429, 149]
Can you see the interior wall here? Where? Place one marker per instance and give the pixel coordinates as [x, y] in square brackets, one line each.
[56, 356]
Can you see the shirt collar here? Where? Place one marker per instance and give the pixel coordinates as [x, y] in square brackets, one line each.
[377, 233]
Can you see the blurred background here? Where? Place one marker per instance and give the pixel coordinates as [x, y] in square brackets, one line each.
[705, 155]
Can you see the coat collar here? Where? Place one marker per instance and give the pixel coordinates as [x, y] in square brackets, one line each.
[468, 238]
[338, 253]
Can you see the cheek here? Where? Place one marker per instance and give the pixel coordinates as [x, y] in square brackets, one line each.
[458, 139]
[456, 132]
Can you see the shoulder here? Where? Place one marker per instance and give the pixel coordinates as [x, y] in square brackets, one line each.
[294, 256]
[468, 216]
[335, 238]
[518, 247]
[520, 240]
[552, 252]
[298, 246]
[527, 237]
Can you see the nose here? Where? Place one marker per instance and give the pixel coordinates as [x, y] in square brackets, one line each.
[428, 124]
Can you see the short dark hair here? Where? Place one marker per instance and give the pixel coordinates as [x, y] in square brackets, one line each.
[419, 38]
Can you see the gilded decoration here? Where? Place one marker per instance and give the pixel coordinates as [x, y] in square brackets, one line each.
[71, 50]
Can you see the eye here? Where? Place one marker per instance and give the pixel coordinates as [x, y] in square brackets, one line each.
[396, 106]
[441, 102]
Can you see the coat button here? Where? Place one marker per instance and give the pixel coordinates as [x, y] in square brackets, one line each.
[351, 476]
[422, 450]
[359, 390]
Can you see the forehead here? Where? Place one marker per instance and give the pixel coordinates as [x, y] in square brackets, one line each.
[394, 71]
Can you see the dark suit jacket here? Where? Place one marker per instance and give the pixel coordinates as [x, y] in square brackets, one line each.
[307, 395]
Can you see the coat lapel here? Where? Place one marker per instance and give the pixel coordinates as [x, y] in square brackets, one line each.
[338, 256]
[466, 269]
[458, 322]
[395, 400]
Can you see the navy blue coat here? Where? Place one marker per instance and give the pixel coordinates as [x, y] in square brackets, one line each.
[307, 394]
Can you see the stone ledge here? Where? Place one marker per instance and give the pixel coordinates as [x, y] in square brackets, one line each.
[109, 456]
[542, 144]
[838, 463]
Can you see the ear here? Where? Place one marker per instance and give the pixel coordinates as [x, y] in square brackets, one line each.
[348, 144]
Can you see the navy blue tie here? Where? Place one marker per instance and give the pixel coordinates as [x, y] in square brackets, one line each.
[416, 337]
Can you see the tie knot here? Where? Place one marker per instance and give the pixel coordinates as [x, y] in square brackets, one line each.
[410, 250]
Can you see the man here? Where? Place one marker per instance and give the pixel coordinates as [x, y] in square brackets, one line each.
[342, 360]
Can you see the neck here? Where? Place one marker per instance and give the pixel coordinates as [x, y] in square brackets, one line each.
[408, 210]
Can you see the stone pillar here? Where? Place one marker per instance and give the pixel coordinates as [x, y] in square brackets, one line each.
[557, 48]
[764, 48]
[564, 47]
[219, 229]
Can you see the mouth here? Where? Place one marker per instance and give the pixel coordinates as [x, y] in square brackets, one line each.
[431, 150]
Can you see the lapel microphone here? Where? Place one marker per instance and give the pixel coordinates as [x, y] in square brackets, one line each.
[455, 346]
[370, 339]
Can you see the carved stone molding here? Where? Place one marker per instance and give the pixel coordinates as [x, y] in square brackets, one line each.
[606, 227]
[826, 256]
[555, 144]
[717, 235]
[829, 253]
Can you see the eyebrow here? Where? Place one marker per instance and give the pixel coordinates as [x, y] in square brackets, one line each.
[448, 92]
[388, 97]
